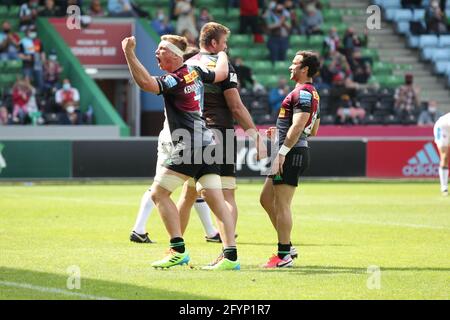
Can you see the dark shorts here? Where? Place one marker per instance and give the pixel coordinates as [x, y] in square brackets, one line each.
[229, 147]
[297, 161]
[196, 168]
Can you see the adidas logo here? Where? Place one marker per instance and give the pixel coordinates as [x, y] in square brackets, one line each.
[424, 163]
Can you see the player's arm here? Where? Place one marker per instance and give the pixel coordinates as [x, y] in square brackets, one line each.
[221, 69]
[299, 121]
[140, 75]
[315, 128]
[242, 116]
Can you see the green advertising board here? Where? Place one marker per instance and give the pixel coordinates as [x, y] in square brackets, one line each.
[35, 159]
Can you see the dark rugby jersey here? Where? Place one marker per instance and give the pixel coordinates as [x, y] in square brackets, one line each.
[183, 98]
[304, 98]
[216, 112]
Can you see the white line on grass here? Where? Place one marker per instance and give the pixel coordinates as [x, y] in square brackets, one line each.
[72, 199]
[393, 224]
[51, 290]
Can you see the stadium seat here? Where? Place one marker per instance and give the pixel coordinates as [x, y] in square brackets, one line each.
[12, 66]
[428, 40]
[444, 41]
[441, 67]
[441, 55]
[206, 3]
[427, 53]
[298, 40]
[402, 27]
[316, 42]
[258, 54]
[332, 15]
[396, 4]
[234, 14]
[403, 15]
[260, 66]
[413, 41]
[370, 53]
[418, 15]
[282, 67]
[268, 80]
[240, 40]
[382, 68]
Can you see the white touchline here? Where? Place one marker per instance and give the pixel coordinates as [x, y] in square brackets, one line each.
[51, 290]
[394, 224]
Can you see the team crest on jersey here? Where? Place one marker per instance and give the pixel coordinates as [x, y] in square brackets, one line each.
[316, 95]
[191, 77]
[169, 81]
[282, 112]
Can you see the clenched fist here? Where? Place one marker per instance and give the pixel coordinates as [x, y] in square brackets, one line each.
[128, 44]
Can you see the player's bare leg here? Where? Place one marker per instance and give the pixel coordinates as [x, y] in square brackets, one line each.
[267, 200]
[229, 196]
[443, 169]
[185, 204]
[283, 199]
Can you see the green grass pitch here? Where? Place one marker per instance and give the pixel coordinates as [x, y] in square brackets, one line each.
[340, 229]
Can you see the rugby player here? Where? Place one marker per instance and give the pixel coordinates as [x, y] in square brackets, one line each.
[442, 140]
[298, 119]
[222, 106]
[139, 234]
[182, 89]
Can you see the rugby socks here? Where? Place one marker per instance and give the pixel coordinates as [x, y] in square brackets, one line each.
[283, 250]
[145, 210]
[443, 177]
[203, 212]
[177, 244]
[230, 253]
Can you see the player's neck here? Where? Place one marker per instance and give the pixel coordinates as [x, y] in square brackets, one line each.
[207, 50]
[303, 81]
[175, 67]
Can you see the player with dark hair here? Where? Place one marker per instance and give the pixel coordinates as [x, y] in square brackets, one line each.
[297, 120]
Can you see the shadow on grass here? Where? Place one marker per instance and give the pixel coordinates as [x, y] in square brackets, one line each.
[317, 270]
[93, 287]
[297, 245]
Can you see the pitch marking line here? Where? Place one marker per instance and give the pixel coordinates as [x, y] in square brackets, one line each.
[51, 290]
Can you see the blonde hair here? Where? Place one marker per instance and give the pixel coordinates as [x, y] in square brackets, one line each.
[212, 31]
[180, 42]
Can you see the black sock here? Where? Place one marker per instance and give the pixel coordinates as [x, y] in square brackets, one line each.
[177, 244]
[230, 253]
[283, 250]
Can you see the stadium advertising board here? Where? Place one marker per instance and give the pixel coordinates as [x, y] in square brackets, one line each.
[98, 44]
[35, 159]
[402, 159]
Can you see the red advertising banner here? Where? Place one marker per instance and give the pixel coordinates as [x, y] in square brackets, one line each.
[98, 44]
[402, 159]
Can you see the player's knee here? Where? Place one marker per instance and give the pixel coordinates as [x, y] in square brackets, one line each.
[209, 182]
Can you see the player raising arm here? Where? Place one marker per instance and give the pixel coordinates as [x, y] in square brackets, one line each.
[182, 89]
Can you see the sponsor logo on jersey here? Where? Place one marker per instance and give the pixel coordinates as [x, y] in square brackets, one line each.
[192, 88]
[282, 113]
[316, 95]
[2, 160]
[305, 97]
[191, 77]
[233, 77]
[169, 81]
[424, 163]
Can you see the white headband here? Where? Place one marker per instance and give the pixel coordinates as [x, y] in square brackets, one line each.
[172, 48]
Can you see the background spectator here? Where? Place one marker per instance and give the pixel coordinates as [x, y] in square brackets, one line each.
[406, 99]
[352, 41]
[429, 115]
[67, 97]
[331, 43]
[50, 10]
[9, 43]
[249, 18]
[411, 4]
[5, 118]
[28, 13]
[184, 11]
[244, 73]
[95, 9]
[120, 8]
[24, 102]
[279, 26]
[435, 18]
[52, 70]
[162, 24]
[27, 53]
[277, 95]
[360, 67]
[204, 18]
[312, 21]
[348, 113]
[192, 41]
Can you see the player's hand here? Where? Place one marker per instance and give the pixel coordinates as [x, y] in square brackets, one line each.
[271, 132]
[261, 150]
[281, 160]
[128, 44]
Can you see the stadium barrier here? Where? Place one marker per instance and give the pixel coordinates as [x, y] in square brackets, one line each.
[137, 158]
